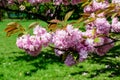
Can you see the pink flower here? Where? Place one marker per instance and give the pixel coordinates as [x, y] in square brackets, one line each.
[10, 1]
[71, 39]
[59, 52]
[74, 2]
[89, 33]
[100, 5]
[104, 49]
[69, 61]
[102, 26]
[45, 39]
[33, 44]
[83, 55]
[115, 25]
[32, 1]
[45, 1]
[88, 9]
[96, 6]
[38, 30]
[65, 2]
[57, 2]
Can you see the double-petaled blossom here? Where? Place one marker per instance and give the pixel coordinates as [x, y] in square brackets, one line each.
[115, 25]
[65, 39]
[57, 2]
[33, 44]
[106, 46]
[45, 37]
[95, 33]
[102, 26]
[10, 1]
[99, 45]
[66, 2]
[100, 5]
[74, 2]
[95, 5]
[31, 1]
[69, 61]
[38, 1]
[71, 39]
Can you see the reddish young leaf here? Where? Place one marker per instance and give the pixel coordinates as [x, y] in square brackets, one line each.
[12, 28]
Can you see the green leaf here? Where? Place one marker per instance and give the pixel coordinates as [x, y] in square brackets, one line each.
[67, 16]
[91, 19]
[87, 2]
[32, 25]
[113, 15]
[97, 40]
[94, 31]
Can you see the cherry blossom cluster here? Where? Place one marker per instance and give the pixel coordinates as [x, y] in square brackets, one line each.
[33, 44]
[101, 17]
[71, 40]
[98, 31]
[80, 43]
[95, 5]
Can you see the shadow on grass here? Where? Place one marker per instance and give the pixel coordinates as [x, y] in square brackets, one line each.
[111, 61]
[40, 62]
[47, 57]
[112, 65]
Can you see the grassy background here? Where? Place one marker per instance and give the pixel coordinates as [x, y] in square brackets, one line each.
[15, 64]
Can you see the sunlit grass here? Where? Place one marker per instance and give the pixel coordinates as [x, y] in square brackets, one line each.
[15, 64]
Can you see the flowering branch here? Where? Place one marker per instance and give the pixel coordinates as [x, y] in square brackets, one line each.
[106, 43]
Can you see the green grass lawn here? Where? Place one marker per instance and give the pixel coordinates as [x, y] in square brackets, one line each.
[15, 64]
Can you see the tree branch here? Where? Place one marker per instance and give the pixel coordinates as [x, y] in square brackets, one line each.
[58, 48]
[107, 43]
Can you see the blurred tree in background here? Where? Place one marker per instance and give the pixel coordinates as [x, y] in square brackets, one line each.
[38, 10]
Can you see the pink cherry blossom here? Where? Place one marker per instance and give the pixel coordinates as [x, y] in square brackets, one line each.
[96, 6]
[34, 43]
[73, 2]
[115, 25]
[102, 26]
[104, 49]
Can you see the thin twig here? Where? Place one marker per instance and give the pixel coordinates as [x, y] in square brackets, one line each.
[106, 43]
[58, 48]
